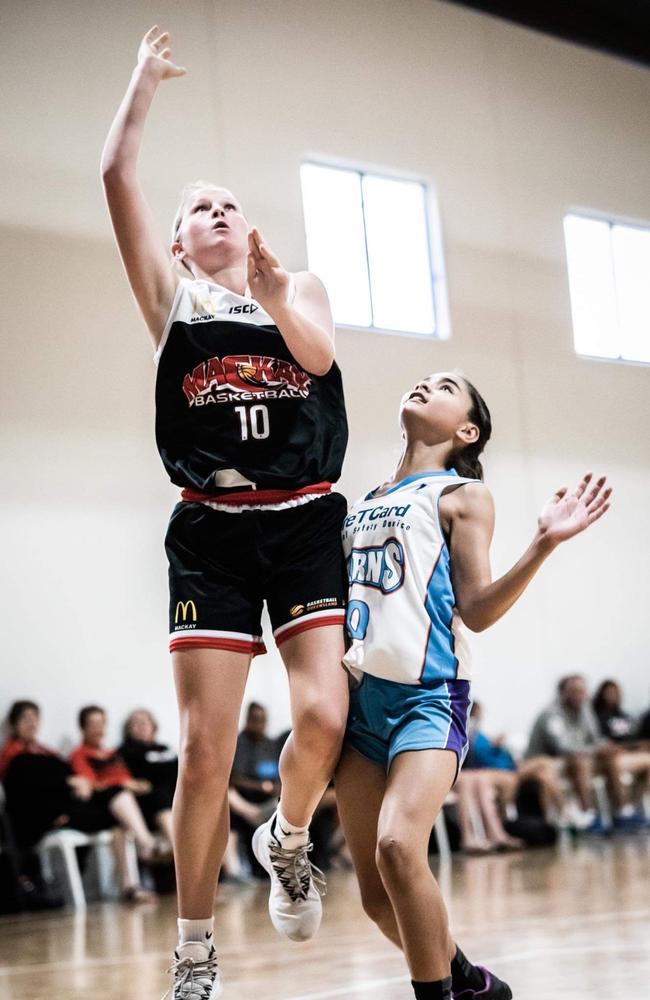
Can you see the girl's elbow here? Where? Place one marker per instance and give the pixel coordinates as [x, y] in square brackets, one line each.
[475, 621]
[321, 365]
[321, 370]
[114, 173]
[108, 167]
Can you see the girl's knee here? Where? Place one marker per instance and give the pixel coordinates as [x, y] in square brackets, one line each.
[122, 800]
[396, 857]
[319, 726]
[203, 761]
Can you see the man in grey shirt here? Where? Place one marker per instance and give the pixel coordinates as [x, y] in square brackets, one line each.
[568, 730]
[568, 726]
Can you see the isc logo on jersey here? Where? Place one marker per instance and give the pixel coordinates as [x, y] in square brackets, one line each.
[205, 307]
[379, 566]
[249, 308]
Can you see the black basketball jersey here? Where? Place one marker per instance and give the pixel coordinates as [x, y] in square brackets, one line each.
[232, 404]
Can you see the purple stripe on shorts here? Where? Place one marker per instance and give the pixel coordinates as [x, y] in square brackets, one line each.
[459, 703]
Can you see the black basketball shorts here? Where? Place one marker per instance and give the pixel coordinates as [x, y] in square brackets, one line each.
[223, 565]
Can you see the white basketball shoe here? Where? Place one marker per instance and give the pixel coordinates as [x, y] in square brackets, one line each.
[196, 973]
[296, 885]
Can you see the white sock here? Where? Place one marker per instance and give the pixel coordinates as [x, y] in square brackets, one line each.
[196, 931]
[288, 835]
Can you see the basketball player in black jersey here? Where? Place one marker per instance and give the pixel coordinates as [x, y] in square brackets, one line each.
[251, 426]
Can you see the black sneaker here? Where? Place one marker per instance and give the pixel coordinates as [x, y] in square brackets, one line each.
[493, 989]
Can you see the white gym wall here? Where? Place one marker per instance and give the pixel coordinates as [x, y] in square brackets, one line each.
[511, 127]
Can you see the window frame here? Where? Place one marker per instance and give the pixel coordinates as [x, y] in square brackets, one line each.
[433, 228]
[598, 215]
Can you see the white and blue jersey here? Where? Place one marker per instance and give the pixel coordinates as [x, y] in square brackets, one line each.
[402, 617]
[408, 651]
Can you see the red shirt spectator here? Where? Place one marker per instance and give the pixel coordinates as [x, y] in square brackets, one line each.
[15, 747]
[23, 719]
[103, 767]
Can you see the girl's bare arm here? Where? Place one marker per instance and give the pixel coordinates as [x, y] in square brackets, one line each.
[481, 601]
[147, 263]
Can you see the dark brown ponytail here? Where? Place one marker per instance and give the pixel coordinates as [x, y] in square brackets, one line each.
[466, 460]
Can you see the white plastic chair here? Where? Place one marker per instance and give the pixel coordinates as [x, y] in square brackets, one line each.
[66, 843]
[442, 837]
[603, 805]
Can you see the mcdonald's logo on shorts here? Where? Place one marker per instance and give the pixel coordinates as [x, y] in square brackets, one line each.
[183, 610]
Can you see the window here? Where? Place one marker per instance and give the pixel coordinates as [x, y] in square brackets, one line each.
[609, 281]
[368, 239]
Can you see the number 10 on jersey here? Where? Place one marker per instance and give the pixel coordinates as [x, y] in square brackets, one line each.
[254, 422]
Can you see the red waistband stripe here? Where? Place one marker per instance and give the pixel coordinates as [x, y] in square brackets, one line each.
[252, 497]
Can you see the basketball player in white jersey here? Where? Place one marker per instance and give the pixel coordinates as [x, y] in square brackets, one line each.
[250, 424]
[418, 563]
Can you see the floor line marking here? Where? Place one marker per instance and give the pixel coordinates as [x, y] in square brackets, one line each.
[237, 952]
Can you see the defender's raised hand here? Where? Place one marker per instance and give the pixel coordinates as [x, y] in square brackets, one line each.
[267, 279]
[155, 50]
[567, 514]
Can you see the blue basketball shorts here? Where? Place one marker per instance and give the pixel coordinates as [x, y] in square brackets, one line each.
[387, 718]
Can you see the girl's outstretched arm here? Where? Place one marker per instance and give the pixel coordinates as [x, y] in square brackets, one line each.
[147, 264]
[481, 601]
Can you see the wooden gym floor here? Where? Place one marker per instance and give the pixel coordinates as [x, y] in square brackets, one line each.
[565, 924]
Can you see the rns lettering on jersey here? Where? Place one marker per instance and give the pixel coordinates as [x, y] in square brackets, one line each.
[379, 566]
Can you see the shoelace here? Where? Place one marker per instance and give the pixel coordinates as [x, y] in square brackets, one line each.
[192, 980]
[295, 871]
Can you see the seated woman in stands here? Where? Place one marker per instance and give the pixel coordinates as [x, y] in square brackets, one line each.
[43, 794]
[632, 751]
[153, 763]
[491, 780]
[104, 768]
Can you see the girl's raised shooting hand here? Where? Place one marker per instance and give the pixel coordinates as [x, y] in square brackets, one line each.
[267, 279]
[145, 258]
[567, 514]
[155, 53]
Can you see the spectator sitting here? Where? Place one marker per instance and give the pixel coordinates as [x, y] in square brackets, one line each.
[255, 772]
[484, 752]
[23, 722]
[154, 764]
[255, 777]
[494, 755]
[615, 724]
[105, 769]
[43, 793]
[487, 782]
[643, 732]
[568, 731]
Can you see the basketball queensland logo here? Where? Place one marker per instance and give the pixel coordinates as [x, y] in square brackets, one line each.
[185, 615]
[244, 376]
